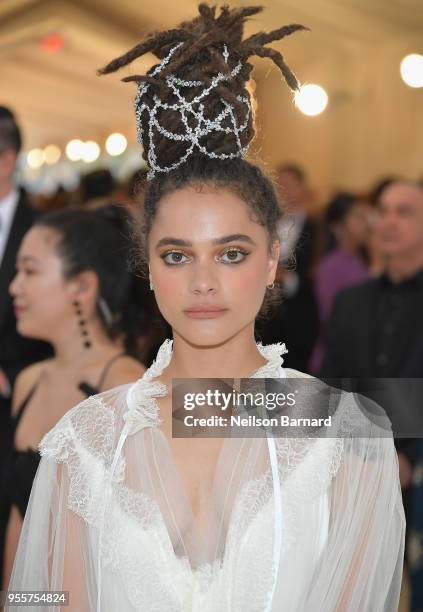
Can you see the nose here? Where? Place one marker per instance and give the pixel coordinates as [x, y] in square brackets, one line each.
[13, 287]
[203, 280]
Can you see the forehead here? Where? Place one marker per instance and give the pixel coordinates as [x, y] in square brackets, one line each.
[204, 213]
[402, 193]
[40, 242]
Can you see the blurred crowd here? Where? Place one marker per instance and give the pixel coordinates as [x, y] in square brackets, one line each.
[73, 286]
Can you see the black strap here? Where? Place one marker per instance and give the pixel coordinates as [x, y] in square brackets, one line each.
[106, 370]
[83, 386]
[25, 402]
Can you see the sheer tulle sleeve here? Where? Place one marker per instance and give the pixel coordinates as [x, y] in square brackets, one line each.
[58, 545]
[53, 552]
[345, 503]
[365, 550]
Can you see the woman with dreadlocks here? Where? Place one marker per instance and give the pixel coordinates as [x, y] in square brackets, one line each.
[126, 516]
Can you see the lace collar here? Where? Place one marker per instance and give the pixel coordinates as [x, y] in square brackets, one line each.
[142, 409]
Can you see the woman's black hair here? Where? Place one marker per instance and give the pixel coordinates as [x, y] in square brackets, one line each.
[200, 58]
[99, 240]
[336, 212]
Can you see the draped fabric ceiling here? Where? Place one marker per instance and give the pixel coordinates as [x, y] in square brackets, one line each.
[373, 125]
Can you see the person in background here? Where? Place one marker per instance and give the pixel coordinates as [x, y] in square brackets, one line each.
[295, 321]
[347, 224]
[73, 289]
[97, 188]
[376, 327]
[375, 256]
[16, 217]
[380, 320]
[297, 230]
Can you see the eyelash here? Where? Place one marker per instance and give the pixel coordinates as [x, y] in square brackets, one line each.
[231, 250]
[25, 271]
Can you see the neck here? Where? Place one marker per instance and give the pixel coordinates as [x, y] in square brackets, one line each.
[237, 357]
[6, 188]
[69, 350]
[399, 268]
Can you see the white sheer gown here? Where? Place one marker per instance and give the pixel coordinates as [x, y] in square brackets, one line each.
[293, 525]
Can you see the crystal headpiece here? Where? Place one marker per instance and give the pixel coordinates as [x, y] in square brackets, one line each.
[199, 126]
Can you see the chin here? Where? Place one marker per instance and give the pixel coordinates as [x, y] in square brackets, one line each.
[207, 337]
[392, 250]
[204, 340]
[28, 331]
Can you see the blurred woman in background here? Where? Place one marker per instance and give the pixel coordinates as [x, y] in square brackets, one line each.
[72, 288]
[344, 262]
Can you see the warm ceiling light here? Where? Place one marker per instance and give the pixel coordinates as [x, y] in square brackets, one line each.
[53, 43]
[74, 149]
[35, 158]
[311, 99]
[90, 151]
[116, 144]
[412, 70]
[52, 154]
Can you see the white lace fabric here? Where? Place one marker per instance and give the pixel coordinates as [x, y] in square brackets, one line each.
[108, 508]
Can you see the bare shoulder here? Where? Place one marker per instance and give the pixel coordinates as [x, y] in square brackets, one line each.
[124, 370]
[25, 380]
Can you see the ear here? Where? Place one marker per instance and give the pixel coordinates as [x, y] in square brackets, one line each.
[84, 287]
[273, 261]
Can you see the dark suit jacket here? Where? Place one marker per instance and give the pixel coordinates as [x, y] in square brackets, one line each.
[348, 349]
[349, 352]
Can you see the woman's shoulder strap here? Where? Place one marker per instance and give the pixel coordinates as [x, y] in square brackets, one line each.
[106, 370]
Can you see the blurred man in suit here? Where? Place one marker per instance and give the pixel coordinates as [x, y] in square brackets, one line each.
[376, 328]
[16, 217]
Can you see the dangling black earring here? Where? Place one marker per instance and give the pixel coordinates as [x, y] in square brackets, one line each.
[82, 324]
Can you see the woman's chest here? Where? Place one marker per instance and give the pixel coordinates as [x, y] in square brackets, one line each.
[195, 460]
[44, 409]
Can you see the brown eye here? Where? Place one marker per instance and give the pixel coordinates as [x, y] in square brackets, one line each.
[173, 258]
[234, 256]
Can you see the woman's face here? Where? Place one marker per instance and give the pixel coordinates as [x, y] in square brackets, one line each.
[210, 264]
[42, 297]
[357, 223]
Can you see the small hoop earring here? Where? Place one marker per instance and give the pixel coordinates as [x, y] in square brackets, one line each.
[271, 286]
[82, 324]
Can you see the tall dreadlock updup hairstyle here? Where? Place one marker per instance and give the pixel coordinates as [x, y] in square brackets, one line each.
[199, 58]
[195, 52]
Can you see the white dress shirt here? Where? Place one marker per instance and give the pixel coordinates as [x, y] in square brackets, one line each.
[8, 207]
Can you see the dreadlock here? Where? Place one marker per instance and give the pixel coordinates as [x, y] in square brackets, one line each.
[198, 57]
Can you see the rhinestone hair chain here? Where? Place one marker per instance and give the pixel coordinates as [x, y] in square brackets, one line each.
[195, 109]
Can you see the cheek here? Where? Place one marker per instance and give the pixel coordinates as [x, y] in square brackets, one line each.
[47, 294]
[358, 227]
[248, 279]
[407, 228]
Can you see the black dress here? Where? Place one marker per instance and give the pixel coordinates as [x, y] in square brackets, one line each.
[19, 469]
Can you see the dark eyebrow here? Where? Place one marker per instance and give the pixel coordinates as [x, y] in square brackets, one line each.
[24, 258]
[222, 240]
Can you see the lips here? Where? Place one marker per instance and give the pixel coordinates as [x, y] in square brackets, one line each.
[18, 309]
[205, 312]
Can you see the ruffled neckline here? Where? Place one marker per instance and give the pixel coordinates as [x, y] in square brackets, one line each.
[143, 410]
